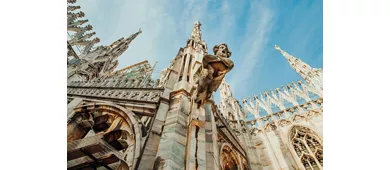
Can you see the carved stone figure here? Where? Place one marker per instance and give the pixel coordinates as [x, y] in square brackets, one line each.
[210, 75]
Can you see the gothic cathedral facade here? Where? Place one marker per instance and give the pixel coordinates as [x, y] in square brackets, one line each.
[126, 120]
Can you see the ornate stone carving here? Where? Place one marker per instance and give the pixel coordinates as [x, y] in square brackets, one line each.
[284, 123]
[298, 118]
[270, 127]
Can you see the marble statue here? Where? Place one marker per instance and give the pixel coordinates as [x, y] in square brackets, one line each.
[210, 75]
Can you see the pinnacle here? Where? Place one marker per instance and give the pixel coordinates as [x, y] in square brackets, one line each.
[197, 23]
[277, 48]
[196, 33]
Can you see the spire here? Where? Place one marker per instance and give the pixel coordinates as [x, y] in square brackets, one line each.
[195, 40]
[120, 46]
[196, 33]
[133, 36]
[312, 76]
[225, 90]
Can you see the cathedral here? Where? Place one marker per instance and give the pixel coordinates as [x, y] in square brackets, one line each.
[123, 119]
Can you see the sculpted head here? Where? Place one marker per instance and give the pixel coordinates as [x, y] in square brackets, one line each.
[222, 50]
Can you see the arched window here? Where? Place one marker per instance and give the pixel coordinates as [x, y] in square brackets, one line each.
[229, 159]
[307, 146]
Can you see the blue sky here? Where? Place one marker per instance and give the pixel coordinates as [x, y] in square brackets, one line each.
[249, 28]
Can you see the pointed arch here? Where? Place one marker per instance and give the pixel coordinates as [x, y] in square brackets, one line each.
[229, 158]
[114, 124]
[307, 146]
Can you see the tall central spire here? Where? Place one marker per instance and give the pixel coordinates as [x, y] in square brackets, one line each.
[196, 33]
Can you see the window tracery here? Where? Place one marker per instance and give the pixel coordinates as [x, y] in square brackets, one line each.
[308, 147]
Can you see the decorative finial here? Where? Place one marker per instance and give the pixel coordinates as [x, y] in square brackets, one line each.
[196, 33]
[277, 47]
[197, 23]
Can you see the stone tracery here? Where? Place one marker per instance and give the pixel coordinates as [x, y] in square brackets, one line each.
[307, 146]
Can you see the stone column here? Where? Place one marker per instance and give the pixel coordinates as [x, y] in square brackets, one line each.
[212, 151]
[196, 140]
[274, 144]
[153, 140]
[171, 151]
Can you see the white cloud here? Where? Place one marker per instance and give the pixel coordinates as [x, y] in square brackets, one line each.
[257, 35]
[166, 26]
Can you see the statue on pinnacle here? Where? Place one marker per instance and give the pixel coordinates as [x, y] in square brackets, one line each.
[210, 75]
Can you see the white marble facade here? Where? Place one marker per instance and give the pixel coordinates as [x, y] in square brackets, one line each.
[121, 122]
